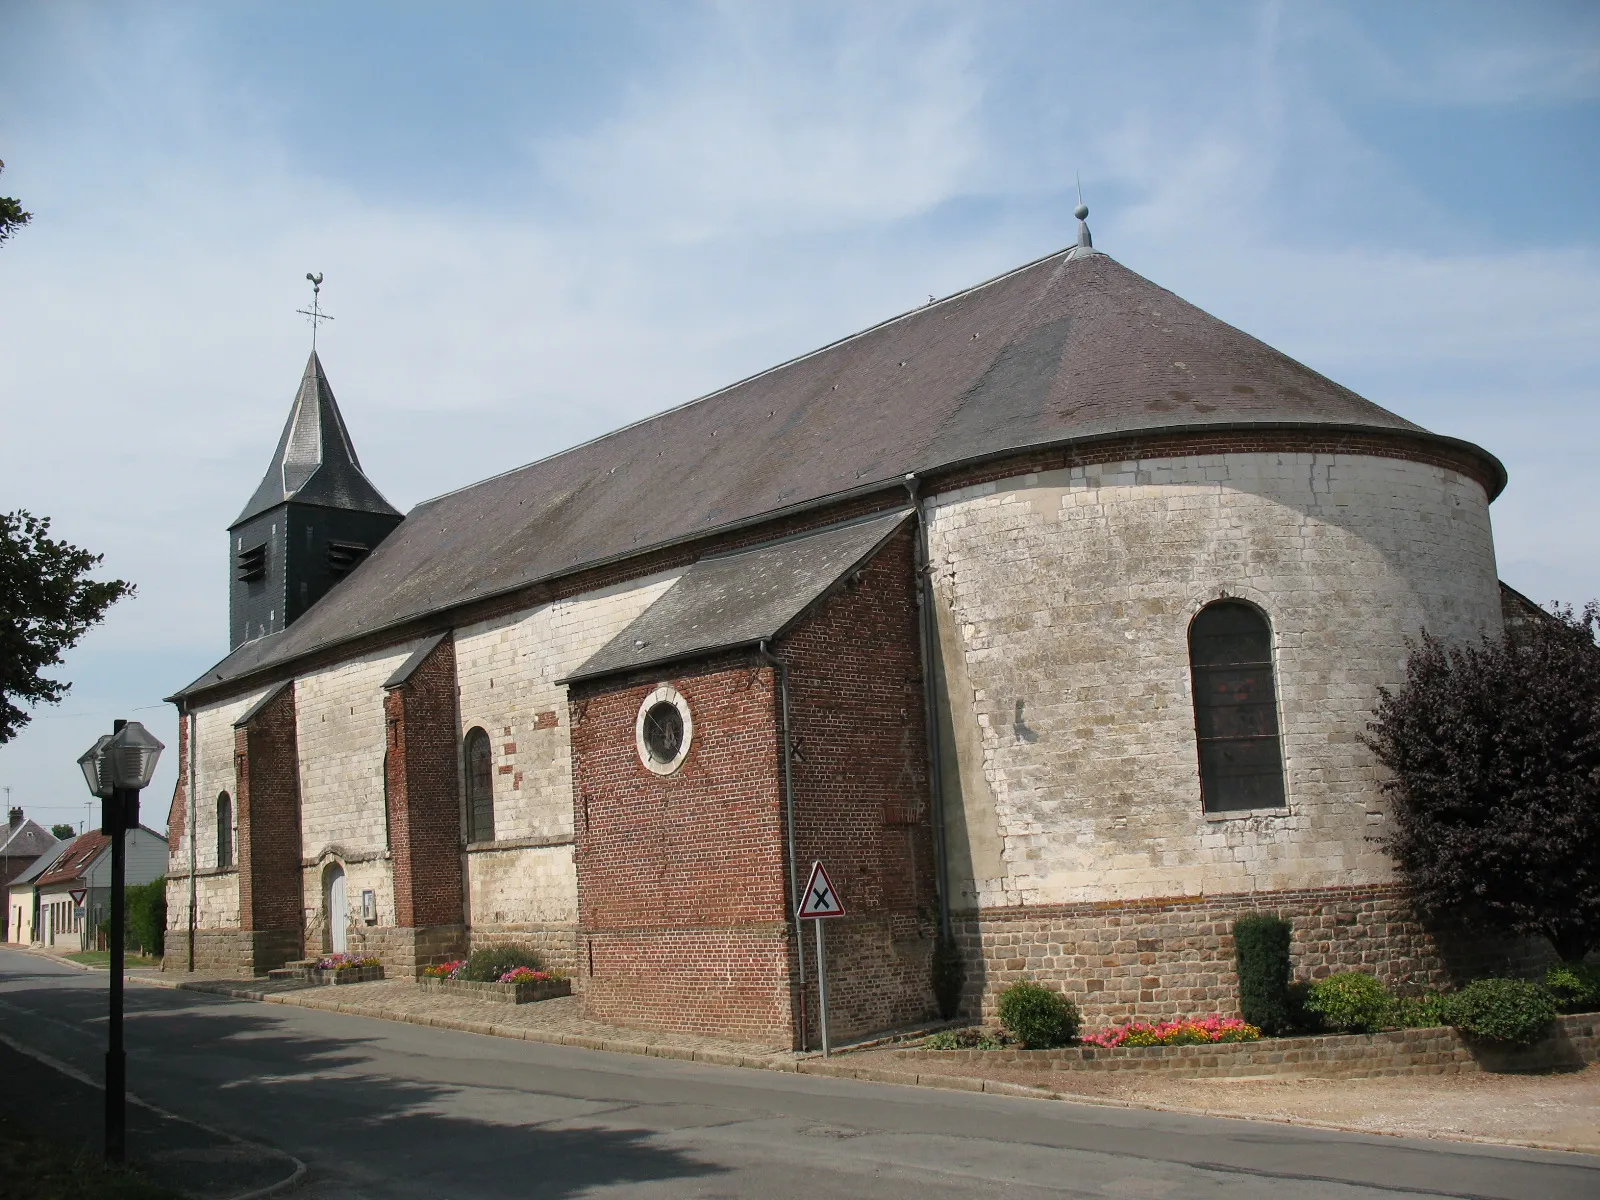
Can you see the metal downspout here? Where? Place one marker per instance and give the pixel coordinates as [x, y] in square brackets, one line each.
[194, 750]
[930, 721]
[782, 669]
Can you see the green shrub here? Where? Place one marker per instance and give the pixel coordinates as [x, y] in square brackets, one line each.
[949, 977]
[962, 1039]
[1502, 1010]
[1301, 1018]
[146, 916]
[1349, 1002]
[1575, 987]
[1038, 1017]
[1261, 948]
[1418, 1012]
[488, 964]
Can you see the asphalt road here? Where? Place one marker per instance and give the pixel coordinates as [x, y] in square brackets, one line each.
[379, 1109]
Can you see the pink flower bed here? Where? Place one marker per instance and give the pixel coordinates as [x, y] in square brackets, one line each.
[1190, 1032]
[347, 962]
[527, 975]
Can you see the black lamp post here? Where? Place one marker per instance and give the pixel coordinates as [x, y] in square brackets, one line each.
[117, 768]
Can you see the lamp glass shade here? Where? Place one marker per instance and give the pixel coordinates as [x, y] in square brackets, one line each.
[133, 751]
[96, 768]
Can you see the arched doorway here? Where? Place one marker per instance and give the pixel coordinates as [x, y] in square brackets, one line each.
[336, 906]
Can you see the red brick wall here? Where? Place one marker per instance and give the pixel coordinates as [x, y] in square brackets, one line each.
[424, 805]
[178, 811]
[682, 878]
[861, 793]
[267, 774]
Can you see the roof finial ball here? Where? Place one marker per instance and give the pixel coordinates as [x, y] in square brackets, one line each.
[1085, 246]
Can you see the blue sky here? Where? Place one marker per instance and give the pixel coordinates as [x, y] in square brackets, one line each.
[538, 222]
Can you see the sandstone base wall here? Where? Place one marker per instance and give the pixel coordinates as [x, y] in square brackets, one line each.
[1147, 959]
[1571, 1045]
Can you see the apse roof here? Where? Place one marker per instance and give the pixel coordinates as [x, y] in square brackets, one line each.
[1074, 347]
[315, 462]
[741, 598]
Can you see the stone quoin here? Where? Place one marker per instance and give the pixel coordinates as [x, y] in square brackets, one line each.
[1049, 616]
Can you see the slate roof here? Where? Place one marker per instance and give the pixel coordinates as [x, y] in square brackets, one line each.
[28, 838]
[1068, 348]
[741, 598]
[315, 462]
[77, 859]
[35, 869]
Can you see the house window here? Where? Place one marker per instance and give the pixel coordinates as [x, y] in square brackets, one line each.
[480, 787]
[224, 830]
[1235, 708]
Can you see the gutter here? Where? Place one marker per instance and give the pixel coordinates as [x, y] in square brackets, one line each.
[930, 721]
[194, 731]
[781, 669]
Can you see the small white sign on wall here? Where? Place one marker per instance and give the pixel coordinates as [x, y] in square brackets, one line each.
[369, 906]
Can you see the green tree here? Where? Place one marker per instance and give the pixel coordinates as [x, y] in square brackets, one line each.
[46, 605]
[64, 831]
[1494, 754]
[12, 218]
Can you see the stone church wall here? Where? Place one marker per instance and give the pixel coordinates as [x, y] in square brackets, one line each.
[217, 941]
[343, 818]
[522, 888]
[1071, 777]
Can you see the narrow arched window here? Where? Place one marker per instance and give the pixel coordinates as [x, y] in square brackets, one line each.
[224, 830]
[1235, 708]
[480, 787]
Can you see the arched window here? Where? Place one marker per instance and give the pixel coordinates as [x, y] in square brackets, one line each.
[1235, 708]
[224, 830]
[480, 787]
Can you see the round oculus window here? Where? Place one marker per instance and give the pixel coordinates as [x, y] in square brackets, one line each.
[663, 730]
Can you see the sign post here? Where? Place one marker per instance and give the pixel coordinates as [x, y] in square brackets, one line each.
[818, 902]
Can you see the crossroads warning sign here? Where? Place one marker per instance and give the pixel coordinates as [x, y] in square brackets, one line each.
[819, 899]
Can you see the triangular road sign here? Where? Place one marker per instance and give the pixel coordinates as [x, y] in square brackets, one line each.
[77, 896]
[819, 899]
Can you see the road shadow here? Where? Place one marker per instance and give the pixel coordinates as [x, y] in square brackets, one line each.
[323, 1100]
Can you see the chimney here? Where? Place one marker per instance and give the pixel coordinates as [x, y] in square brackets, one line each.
[16, 817]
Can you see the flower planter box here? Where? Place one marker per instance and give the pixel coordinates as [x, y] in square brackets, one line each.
[346, 975]
[503, 993]
[1573, 1041]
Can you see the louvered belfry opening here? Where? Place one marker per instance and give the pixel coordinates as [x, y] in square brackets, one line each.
[480, 787]
[1235, 708]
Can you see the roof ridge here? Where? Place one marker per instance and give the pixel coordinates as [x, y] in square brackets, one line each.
[738, 383]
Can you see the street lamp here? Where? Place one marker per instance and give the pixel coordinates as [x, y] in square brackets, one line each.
[117, 768]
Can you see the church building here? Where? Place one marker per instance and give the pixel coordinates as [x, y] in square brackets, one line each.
[1049, 617]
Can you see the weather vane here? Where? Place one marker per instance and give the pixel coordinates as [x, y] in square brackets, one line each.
[315, 311]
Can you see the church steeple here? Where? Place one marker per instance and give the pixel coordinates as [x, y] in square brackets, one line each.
[312, 519]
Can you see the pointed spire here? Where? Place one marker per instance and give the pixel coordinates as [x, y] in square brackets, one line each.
[315, 462]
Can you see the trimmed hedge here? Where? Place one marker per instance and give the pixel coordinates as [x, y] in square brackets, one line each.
[1575, 987]
[1261, 950]
[1350, 1002]
[145, 916]
[1502, 1010]
[1038, 1017]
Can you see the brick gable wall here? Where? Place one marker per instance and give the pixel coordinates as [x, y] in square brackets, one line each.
[861, 793]
[268, 779]
[424, 805]
[682, 886]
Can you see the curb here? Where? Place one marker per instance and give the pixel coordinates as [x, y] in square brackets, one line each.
[828, 1069]
[294, 1178]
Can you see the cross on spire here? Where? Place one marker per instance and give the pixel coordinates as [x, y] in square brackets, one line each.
[315, 312]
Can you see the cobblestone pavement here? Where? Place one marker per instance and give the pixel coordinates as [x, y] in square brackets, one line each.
[556, 1021]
